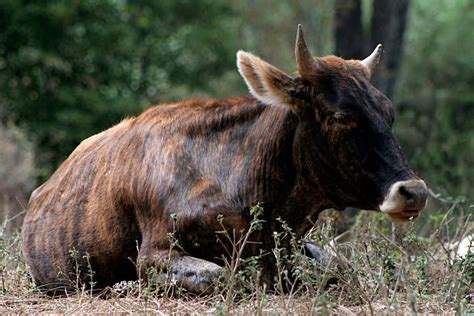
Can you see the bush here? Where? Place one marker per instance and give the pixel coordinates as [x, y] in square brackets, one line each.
[16, 175]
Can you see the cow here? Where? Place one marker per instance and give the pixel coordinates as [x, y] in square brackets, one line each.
[296, 146]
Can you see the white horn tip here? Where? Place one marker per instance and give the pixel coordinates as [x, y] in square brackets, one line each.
[374, 58]
[377, 53]
[379, 48]
[300, 30]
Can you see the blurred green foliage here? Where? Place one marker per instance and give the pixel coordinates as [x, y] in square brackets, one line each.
[435, 102]
[69, 69]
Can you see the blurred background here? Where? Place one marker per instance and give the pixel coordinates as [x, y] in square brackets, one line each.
[69, 69]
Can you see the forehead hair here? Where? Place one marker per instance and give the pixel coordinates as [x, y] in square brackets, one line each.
[346, 82]
[337, 67]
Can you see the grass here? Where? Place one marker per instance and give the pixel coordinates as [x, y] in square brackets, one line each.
[388, 269]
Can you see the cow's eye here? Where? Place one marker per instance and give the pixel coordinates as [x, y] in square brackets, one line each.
[342, 120]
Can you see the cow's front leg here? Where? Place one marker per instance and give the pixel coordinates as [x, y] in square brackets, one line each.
[194, 274]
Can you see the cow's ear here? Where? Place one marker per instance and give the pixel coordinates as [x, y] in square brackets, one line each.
[265, 82]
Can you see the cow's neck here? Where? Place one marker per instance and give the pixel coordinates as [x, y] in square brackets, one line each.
[286, 144]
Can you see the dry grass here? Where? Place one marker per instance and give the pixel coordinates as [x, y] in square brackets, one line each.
[274, 305]
[392, 270]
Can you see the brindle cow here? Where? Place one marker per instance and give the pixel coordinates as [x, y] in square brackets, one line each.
[298, 145]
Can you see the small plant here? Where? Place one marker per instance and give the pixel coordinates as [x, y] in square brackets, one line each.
[82, 278]
[238, 271]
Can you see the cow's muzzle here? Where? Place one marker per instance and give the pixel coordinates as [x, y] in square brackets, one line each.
[405, 200]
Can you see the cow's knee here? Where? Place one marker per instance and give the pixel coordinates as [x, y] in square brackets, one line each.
[326, 258]
[322, 257]
[194, 274]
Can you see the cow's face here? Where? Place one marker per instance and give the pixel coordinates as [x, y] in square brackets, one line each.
[350, 149]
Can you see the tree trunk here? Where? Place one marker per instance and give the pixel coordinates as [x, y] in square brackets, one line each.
[388, 23]
[388, 28]
[348, 29]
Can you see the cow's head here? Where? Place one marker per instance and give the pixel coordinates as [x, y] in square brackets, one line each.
[345, 130]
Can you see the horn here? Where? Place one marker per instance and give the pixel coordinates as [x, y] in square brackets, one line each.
[307, 65]
[373, 59]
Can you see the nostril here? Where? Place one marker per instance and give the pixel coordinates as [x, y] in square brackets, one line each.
[407, 195]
